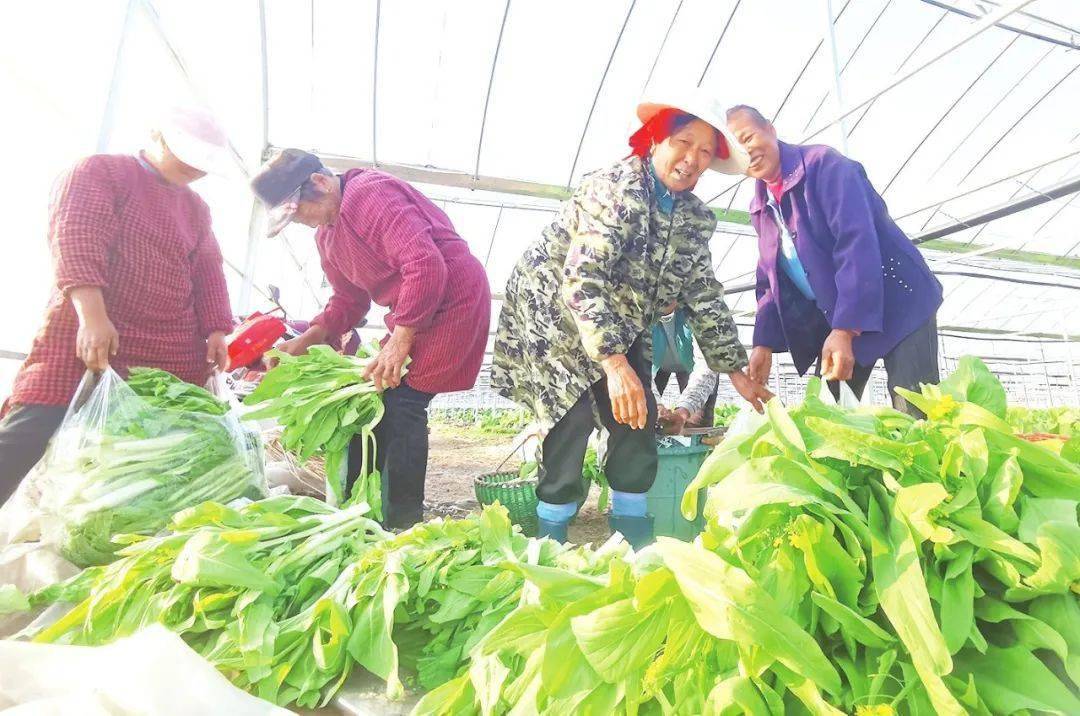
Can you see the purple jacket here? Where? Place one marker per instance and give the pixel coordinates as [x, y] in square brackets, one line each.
[865, 273]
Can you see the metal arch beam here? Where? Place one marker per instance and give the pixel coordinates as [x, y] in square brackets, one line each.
[743, 288]
[494, 233]
[783, 103]
[375, 88]
[990, 113]
[443, 177]
[105, 131]
[255, 223]
[1064, 188]
[847, 62]
[491, 83]
[948, 111]
[1008, 93]
[599, 89]
[980, 27]
[902, 65]
[1040, 19]
[1054, 215]
[1019, 31]
[1019, 119]
[720, 39]
[837, 89]
[1073, 151]
[660, 50]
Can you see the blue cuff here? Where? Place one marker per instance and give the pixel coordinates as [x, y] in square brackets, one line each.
[628, 504]
[556, 513]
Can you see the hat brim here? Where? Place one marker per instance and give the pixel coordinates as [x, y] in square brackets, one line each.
[280, 216]
[200, 155]
[737, 161]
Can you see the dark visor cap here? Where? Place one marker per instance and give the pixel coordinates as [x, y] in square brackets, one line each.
[283, 174]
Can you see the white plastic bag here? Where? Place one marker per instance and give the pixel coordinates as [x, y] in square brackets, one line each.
[847, 400]
[152, 673]
[747, 420]
[121, 464]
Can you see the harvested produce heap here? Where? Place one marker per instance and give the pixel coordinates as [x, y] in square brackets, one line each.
[853, 562]
[322, 401]
[136, 454]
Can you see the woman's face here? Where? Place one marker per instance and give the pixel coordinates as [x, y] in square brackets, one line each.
[680, 159]
[319, 203]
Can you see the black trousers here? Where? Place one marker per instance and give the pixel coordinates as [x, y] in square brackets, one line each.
[24, 434]
[631, 460]
[914, 360]
[662, 378]
[401, 455]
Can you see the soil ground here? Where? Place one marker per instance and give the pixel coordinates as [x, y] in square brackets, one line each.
[458, 455]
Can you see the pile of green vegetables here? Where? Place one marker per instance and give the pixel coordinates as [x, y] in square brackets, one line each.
[1054, 421]
[322, 401]
[933, 563]
[857, 562]
[134, 457]
[724, 414]
[287, 596]
[854, 562]
[258, 591]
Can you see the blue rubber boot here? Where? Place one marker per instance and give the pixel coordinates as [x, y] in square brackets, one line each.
[638, 531]
[554, 530]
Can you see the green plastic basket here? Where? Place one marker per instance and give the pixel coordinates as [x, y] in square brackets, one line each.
[516, 494]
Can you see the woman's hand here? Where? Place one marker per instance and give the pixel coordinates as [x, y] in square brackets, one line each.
[838, 356]
[97, 340]
[760, 365]
[753, 392]
[298, 346]
[673, 421]
[626, 392]
[385, 369]
[217, 351]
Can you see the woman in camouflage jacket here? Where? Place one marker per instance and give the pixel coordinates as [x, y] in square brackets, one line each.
[574, 339]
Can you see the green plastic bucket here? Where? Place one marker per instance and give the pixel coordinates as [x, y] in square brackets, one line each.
[677, 466]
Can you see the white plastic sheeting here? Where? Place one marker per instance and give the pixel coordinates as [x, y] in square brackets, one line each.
[543, 92]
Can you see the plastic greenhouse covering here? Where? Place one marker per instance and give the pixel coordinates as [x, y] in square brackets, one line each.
[496, 109]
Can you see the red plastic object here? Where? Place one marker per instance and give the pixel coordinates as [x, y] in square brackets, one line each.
[253, 338]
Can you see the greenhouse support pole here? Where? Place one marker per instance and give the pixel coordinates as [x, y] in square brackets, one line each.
[105, 131]
[255, 225]
[1046, 375]
[837, 87]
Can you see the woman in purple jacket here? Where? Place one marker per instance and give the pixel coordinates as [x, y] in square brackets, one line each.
[838, 282]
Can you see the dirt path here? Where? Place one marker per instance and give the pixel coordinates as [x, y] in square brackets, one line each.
[457, 456]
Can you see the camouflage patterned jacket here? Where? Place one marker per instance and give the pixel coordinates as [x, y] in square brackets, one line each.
[601, 274]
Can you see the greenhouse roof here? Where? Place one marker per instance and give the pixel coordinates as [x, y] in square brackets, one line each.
[962, 112]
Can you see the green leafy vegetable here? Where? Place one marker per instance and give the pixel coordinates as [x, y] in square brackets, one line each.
[137, 453]
[322, 401]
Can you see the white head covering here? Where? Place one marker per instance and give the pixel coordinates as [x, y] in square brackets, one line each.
[195, 138]
[707, 108]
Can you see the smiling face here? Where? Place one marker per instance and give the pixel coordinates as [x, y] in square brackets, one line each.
[761, 144]
[680, 160]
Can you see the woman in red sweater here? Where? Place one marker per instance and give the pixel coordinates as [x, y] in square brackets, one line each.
[382, 241]
[137, 281]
